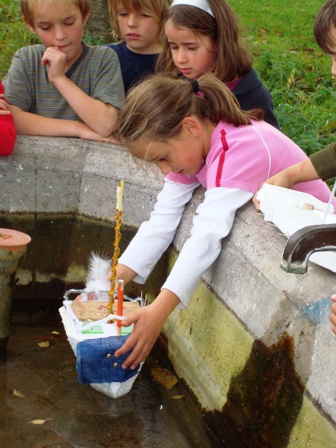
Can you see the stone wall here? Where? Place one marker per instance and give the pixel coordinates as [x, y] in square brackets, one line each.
[246, 316]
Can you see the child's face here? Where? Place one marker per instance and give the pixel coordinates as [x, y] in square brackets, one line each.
[141, 32]
[193, 53]
[60, 25]
[184, 153]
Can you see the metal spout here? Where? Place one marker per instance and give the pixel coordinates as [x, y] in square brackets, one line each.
[303, 243]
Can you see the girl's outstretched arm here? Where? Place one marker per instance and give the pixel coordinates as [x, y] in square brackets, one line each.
[148, 322]
[212, 223]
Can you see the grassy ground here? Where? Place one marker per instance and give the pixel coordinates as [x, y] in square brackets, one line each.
[285, 55]
[293, 67]
[13, 33]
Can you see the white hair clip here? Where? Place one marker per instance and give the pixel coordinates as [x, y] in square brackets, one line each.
[201, 4]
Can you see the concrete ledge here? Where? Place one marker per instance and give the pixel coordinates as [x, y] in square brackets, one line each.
[75, 176]
[243, 299]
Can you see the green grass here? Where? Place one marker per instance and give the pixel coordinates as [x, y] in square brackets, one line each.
[13, 33]
[296, 71]
[280, 38]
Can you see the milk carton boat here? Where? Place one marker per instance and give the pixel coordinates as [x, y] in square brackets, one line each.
[94, 337]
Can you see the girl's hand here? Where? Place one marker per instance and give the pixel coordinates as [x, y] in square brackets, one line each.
[148, 323]
[147, 328]
[56, 60]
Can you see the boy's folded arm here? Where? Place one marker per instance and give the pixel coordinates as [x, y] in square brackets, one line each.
[27, 123]
[99, 116]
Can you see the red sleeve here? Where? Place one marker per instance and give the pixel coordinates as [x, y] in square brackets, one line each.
[7, 135]
[7, 132]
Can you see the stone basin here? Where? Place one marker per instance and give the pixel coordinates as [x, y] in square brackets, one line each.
[246, 347]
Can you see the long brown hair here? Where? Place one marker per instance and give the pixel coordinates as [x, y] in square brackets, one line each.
[232, 59]
[155, 109]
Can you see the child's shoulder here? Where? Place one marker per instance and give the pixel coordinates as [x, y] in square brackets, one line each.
[125, 53]
[101, 53]
[118, 47]
[257, 131]
[30, 50]
[100, 50]
[29, 56]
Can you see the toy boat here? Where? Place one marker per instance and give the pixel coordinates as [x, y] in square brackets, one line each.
[92, 322]
[94, 337]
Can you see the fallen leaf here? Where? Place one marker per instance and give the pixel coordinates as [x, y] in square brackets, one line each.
[177, 397]
[43, 344]
[164, 377]
[49, 337]
[39, 421]
[18, 394]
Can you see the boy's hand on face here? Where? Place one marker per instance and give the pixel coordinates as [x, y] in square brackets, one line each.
[4, 109]
[56, 60]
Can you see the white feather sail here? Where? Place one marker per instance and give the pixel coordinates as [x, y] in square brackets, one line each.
[98, 274]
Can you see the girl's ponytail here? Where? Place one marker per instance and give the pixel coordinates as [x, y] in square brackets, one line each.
[155, 109]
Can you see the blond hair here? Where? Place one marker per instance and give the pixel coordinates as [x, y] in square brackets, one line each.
[154, 8]
[155, 109]
[27, 7]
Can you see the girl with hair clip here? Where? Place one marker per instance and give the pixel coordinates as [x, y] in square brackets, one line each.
[203, 36]
[196, 133]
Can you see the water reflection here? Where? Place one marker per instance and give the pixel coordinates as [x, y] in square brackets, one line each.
[41, 383]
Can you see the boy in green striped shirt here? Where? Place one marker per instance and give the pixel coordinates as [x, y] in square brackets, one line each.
[63, 87]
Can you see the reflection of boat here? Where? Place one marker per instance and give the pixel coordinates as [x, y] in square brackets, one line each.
[93, 335]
